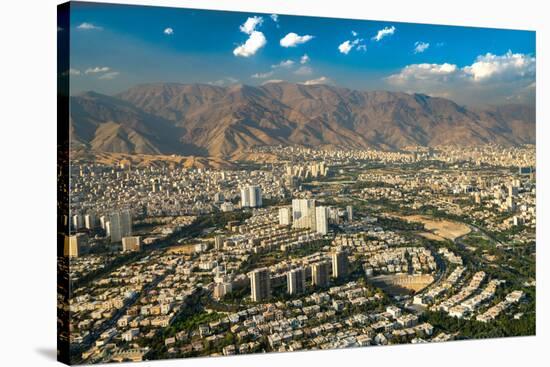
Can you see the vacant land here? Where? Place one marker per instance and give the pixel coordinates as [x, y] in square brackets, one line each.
[439, 229]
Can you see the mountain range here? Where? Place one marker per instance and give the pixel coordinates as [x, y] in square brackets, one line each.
[207, 120]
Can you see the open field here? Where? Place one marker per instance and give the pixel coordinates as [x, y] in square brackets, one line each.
[431, 236]
[439, 229]
[183, 249]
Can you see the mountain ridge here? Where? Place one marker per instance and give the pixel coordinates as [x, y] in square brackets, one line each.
[201, 119]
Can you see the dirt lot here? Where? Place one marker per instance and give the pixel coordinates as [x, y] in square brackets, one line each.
[439, 229]
[183, 249]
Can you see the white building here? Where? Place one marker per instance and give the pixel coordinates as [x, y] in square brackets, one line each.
[251, 196]
[321, 219]
[285, 216]
[120, 225]
[296, 281]
[303, 213]
[90, 221]
[339, 264]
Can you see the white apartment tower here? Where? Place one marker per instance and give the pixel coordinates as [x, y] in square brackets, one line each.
[120, 225]
[321, 219]
[285, 216]
[296, 281]
[339, 264]
[303, 213]
[251, 196]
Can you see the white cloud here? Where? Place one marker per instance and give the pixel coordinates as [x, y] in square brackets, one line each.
[346, 46]
[354, 34]
[228, 80]
[74, 72]
[262, 75]
[292, 39]
[274, 17]
[97, 69]
[509, 66]
[283, 64]
[250, 25]
[251, 46]
[109, 76]
[88, 26]
[420, 47]
[440, 72]
[304, 59]
[168, 31]
[489, 78]
[386, 31]
[320, 80]
[273, 81]
[255, 41]
[304, 70]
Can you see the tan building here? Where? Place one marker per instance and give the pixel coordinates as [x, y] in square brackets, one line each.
[132, 243]
[75, 245]
[320, 274]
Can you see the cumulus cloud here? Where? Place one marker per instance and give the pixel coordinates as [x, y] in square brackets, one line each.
[283, 64]
[304, 70]
[255, 41]
[168, 31]
[109, 76]
[386, 31]
[320, 80]
[304, 59]
[74, 72]
[274, 17]
[293, 40]
[346, 46]
[250, 25]
[509, 66]
[262, 75]
[424, 72]
[354, 34]
[420, 47]
[97, 69]
[251, 46]
[88, 26]
[489, 78]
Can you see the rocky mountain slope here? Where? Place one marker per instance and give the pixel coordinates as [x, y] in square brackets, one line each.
[196, 119]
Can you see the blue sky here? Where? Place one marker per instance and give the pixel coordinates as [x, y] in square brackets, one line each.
[114, 47]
